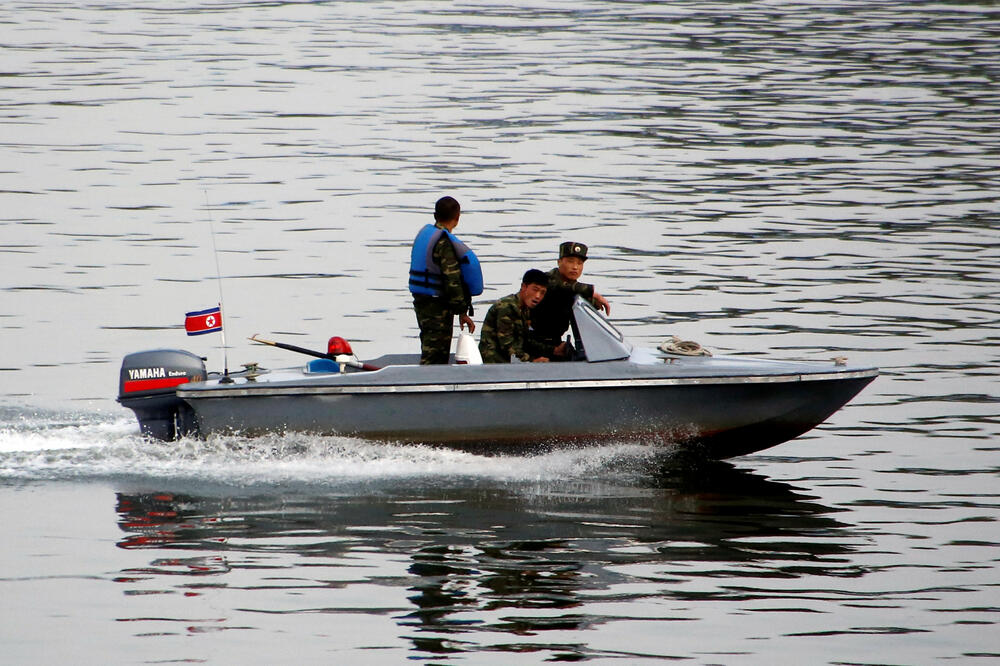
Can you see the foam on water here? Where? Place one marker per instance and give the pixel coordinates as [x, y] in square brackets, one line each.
[82, 447]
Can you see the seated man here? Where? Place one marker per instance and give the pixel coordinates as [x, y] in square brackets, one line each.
[550, 318]
[505, 329]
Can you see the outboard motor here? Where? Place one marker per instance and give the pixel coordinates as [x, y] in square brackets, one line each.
[147, 386]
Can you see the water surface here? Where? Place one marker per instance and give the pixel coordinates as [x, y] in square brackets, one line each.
[799, 180]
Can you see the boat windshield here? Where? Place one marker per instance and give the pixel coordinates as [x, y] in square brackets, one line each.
[595, 335]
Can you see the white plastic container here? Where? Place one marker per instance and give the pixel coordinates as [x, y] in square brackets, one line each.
[466, 350]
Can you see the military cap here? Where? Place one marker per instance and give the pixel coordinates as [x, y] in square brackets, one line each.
[573, 249]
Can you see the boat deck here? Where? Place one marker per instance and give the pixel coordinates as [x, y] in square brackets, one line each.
[400, 373]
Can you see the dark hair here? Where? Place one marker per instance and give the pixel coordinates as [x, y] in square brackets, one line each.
[446, 209]
[535, 276]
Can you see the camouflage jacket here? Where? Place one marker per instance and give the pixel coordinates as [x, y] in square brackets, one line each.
[454, 292]
[505, 332]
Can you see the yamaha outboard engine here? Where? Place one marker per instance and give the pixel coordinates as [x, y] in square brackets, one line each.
[147, 386]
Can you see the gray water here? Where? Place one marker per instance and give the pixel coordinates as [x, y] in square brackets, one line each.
[792, 180]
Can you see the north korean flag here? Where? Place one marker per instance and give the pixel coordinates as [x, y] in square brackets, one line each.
[203, 321]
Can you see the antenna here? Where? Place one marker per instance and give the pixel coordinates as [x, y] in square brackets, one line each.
[226, 379]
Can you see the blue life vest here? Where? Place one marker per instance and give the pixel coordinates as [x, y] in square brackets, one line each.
[425, 275]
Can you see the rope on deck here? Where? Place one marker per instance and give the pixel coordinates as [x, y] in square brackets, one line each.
[680, 347]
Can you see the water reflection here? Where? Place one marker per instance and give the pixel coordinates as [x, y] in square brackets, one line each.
[515, 558]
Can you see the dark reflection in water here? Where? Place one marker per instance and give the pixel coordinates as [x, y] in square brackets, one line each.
[510, 559]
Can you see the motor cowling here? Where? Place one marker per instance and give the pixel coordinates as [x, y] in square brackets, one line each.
[147, 385]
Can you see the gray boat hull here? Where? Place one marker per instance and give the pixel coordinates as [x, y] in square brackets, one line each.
[694, 403]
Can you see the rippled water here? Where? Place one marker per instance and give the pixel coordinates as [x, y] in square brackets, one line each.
[800, 180]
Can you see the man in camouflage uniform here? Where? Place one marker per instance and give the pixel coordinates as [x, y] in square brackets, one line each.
[550, 319]
[436, 314]
[505, 329]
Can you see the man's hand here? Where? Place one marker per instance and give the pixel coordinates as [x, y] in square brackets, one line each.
[602, 303]
[465, 321]
[561, 350]
[540, 359]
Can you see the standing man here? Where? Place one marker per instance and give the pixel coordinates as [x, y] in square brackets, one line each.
[505, 329]
[550, 318]
[444, 276]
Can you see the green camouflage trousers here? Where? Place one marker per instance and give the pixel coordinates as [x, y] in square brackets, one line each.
[436, 324]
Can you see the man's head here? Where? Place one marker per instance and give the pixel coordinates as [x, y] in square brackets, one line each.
[446, 211]
[571, 258]
[534, 284]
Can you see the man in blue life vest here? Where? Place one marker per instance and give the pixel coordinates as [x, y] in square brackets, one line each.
[550, 318]
[444, 276]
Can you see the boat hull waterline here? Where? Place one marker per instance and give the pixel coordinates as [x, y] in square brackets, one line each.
[722, 418]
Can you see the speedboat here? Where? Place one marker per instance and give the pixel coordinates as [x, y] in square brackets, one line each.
[612, 391]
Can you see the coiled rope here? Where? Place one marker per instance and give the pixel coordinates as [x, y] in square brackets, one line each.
[679, 347]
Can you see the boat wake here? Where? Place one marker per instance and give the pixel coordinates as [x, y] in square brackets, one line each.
[52, 447]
